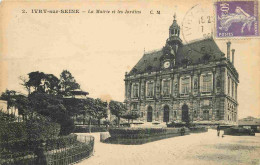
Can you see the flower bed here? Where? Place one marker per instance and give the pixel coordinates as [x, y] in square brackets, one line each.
[143, 135]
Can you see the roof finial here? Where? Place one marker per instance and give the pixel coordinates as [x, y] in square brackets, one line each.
[144, 50]
[174, 16]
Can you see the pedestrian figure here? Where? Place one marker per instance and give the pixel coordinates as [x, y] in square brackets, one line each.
[182, 131]
[218, 130]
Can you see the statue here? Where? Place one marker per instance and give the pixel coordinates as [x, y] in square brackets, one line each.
[176, 86]
[195, 83]
[218, 82]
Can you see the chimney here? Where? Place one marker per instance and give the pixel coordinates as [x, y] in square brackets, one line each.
[228, 50]
[233, 53]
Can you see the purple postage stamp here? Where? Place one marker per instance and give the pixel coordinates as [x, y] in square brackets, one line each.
[237, 19]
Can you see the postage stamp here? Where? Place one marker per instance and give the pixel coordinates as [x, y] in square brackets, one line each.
[237, 19]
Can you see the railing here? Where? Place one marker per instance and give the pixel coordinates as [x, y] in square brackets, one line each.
[70, 154]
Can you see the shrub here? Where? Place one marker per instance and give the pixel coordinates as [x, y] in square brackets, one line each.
[40, 128]
[67, 125]
[12, 131]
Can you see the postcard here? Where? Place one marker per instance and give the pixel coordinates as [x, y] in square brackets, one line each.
[130, 82]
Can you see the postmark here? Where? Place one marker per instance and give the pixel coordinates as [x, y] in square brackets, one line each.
[198, 23]
[236, 19]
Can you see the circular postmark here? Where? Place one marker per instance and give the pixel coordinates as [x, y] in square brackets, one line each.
[198, 23]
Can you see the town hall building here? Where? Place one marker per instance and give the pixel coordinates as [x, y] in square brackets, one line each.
[180, 82]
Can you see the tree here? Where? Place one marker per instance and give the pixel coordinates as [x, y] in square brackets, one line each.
[41, 82]
[67, 83]
[9, 96]
[118, 109]
[100, 110]
[53, 107]
[51, 84]
[131, 115]
[22, 103]
[89, 109]
[14, 99]
[35, 81]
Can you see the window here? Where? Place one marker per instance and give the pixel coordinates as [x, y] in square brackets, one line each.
[150, 89]
[155, 59]
[206, 115]
[232, 89]
[175, 114]
[166, 88]
[195, 113]
[206, 83]
[218, 113]
[142, 114]
[135, 91]
[236, 91]
[185, 85]
[228, 86]
[134, 106]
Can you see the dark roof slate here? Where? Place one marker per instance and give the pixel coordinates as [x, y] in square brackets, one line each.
[193, 51]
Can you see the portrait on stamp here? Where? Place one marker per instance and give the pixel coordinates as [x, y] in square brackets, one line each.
[237, 18]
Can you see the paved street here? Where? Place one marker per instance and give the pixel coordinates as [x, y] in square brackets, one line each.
[203, 148]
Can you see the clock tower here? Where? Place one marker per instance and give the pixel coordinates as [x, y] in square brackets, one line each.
[173, 43]
[174, 36]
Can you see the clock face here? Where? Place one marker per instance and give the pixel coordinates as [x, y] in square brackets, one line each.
[166, 64]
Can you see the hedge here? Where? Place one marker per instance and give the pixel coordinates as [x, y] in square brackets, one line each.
[198, 129]
[20, 147]
[35, 128]
[237, 131]
[85, 129]
[134, 133]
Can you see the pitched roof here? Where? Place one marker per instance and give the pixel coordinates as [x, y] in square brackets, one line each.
[193, 52]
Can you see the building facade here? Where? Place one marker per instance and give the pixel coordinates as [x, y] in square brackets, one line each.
[180, 82]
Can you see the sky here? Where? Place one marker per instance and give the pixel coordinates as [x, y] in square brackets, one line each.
[99, 48]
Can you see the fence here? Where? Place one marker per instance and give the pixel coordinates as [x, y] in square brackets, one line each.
[70, 154]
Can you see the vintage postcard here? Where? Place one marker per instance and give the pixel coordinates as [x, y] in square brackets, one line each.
[130, 82]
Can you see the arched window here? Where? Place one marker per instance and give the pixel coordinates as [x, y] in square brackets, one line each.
[149, 114]
[142, 114]
[166, 116]
[205, 115]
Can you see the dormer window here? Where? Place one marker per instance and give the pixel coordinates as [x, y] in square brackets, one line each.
[149, 68]
[134, 71]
